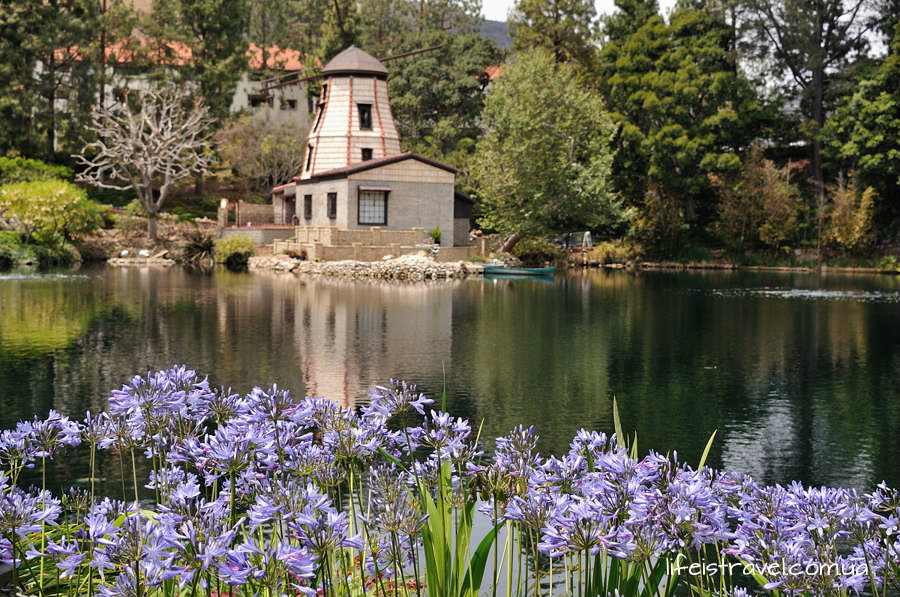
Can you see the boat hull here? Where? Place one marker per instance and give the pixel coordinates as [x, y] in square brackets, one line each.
[499, 270]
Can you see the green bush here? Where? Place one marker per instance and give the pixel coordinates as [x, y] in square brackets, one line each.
[537, 251]
[12, 249]
[235, 251]
[112, 197]
[13, 170]
[48, 210]
[134, 208]
[436, 235]
[614, 251]
[49, 255]
[888, 262]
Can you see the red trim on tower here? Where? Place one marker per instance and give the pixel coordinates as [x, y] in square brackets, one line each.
[350, 120]
[378, 113]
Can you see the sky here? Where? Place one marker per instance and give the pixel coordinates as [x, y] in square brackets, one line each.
[496, 10]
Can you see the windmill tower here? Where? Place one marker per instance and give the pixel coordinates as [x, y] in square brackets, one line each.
[353, 121]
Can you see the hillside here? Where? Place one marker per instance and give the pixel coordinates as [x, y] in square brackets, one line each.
[498, 32]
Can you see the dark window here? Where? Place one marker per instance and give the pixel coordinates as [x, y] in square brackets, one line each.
[366, 154]
[257, 101]
[309, 152]
[372, 208]
[288, 104]
[320, 107]
[307, 206]
[365, 116]
[332, 205]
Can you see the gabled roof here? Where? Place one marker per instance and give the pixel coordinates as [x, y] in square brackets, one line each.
[370, 164]
[354, 61]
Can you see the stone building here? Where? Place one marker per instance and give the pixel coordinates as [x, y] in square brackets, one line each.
[355, 175]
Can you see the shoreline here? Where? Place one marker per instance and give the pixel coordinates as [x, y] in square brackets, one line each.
[406, 267]
[715, 266]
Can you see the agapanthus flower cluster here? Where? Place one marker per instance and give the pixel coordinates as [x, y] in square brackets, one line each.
[265, 494]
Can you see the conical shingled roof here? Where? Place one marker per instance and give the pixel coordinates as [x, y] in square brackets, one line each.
[354, 61]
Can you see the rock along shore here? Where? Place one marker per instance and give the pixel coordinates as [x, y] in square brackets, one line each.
[407, 267]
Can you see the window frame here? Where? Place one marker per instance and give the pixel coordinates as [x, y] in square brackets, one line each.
[307, 207]
[359, 198]
[309, 154]
[366, 151]
[367, 110]
[331, 200]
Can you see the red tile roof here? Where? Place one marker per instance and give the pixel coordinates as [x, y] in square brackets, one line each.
[176, 53]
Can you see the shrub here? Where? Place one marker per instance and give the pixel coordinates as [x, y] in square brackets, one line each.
[614, 251]
[49, 210]
[12, 249]
[200, 249]
[850, 225]
[110, 196]
[436, 235]
[660, 223]
[13, 170]
[760, 205]
[536, 251]
[234, 251]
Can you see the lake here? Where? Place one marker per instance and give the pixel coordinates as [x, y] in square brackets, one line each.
[799, 373]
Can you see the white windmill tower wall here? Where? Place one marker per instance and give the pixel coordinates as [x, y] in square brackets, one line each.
[353, 121]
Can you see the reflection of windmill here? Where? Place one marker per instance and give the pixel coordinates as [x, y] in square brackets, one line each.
[293, 78]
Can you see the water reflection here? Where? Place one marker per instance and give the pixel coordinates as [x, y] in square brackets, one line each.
[799, 373]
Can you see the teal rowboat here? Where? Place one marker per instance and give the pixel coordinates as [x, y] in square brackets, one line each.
[499, 270]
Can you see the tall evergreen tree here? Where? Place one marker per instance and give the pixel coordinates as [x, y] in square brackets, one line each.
[47, 50]
[340, 28]
[630, 16]
[215, 34]
[864, 134]
[565, 28]
[270, 25]
[437, 97]
[809, 42]
[683, 111]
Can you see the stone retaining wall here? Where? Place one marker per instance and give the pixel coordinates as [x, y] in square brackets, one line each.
[408, 267]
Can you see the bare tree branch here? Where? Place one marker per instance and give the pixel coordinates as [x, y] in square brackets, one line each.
[148, 145]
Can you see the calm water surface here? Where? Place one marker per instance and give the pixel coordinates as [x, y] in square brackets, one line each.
[800, 374]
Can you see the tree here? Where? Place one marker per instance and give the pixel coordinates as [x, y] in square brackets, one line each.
[148, 146]
[563, 27]
[266, 151]
[214, 32]
[631, 16]
[543, 165]
[437, 97]
[269, 25]
[340, 28]
[850, 224]
[48, 211]
[810, 41]
[758, 205]
[47, 73]
[684, 111]
[864, 134]
[384, 24]
[446, 15]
